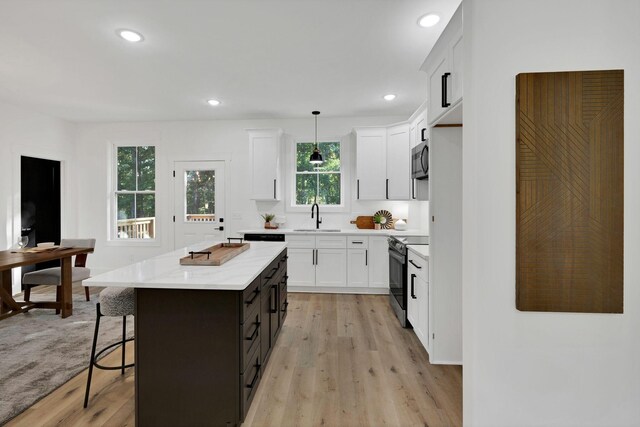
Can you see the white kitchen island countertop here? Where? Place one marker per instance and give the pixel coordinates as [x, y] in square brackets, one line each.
[165, 272]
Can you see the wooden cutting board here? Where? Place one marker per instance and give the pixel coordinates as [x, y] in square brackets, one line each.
[363, 222]
[218, 254]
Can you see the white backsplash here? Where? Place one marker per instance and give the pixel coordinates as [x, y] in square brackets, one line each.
[416, 213]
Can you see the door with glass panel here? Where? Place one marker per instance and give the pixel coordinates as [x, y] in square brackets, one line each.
[198, 202]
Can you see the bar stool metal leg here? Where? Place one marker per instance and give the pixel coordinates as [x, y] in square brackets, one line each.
[93, 356]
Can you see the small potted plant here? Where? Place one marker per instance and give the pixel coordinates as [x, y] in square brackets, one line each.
[268, 217]
[377, 222]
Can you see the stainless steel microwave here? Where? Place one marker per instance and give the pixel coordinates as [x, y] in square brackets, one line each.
[420, 161]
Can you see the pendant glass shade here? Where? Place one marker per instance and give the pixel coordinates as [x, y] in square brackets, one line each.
[316, 157]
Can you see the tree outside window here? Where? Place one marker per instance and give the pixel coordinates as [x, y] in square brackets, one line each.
[135, 192]
[322, 184]
[200, 195]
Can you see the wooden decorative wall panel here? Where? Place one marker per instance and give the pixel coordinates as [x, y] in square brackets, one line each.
[569, 191]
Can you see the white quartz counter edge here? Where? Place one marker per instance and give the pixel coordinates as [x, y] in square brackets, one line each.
[421, 250]
[165, 272]
[342, 232]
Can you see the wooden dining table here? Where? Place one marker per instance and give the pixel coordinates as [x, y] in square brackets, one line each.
[12, 259]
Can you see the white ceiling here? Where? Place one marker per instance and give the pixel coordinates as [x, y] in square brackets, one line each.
[261, 58]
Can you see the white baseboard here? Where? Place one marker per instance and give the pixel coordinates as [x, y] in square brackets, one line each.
[444, 362]
[329, 290]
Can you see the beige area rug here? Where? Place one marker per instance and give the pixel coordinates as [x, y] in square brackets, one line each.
[39, 351]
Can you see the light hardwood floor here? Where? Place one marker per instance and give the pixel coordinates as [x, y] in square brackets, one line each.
[341, 360]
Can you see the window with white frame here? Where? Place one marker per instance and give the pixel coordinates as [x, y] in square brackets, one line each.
[135, 193]
[323, 184]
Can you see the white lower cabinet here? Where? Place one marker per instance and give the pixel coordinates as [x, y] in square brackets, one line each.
[317, 261]
[358, 268]
[301, 268]
[378, 262]
[338, 261]
[331, 268]
[418, 298]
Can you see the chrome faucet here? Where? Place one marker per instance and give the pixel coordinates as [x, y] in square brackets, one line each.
[318, 220]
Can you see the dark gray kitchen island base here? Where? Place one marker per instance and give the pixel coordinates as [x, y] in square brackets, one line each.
[200, 353]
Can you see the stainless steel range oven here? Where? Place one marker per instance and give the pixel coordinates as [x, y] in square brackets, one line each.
[398, 273]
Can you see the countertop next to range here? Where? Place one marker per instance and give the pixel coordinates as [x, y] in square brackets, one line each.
[165, 272]
[421, 250]
[342, 232]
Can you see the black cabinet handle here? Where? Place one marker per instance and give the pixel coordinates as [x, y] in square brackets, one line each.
[357, 242]
[255, 377]
[274, 189]
[445, 104]
[366, 257]
[316, 251]
[422, 134]
[273, 301]
[274, 271]
[254, 333]
[255, 295]
[413, 286]
[313, 256]
[415, 265]
[358, 189]
[387, 188]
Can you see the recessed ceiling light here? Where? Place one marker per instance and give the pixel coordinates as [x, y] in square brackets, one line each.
[130, 35]
[389, 97]
[213, 102]
[429, 20]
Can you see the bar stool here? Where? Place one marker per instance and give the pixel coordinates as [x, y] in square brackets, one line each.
[112, 302]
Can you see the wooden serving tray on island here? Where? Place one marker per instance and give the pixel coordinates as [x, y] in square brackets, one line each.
[215, 255]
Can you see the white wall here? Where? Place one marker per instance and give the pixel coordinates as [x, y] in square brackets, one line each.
[524, 368]
[24, 132]
[204, 140]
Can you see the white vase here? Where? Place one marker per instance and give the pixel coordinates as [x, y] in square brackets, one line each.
[400, 225]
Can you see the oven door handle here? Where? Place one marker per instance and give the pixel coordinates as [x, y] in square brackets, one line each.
[398, 257]
[413, 286]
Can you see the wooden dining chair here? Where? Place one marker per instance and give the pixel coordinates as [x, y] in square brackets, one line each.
[52, 276]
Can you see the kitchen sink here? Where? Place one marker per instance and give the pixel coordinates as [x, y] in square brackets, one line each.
[313, 230]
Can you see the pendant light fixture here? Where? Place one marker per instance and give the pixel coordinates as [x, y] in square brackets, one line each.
[316, 157]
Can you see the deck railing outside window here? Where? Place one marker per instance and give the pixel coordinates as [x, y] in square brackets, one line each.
[136, 228]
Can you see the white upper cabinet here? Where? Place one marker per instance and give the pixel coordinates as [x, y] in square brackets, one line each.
[383, 163]
[436, 76]
[371, 163]
[265, 168]
[444, 72]
[456, 55]
[422, 132]
[398, 184]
